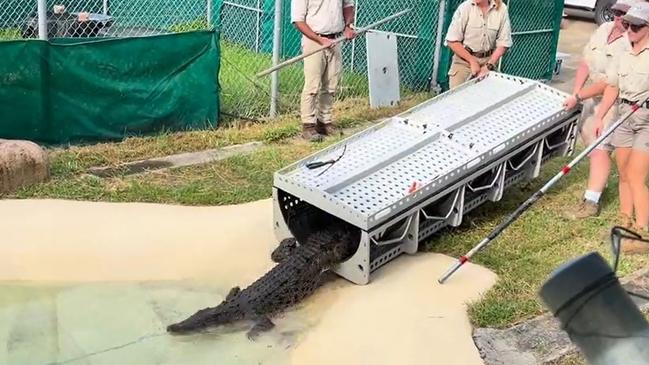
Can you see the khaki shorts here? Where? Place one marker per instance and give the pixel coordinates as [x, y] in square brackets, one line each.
[634, 132]
[587, 127]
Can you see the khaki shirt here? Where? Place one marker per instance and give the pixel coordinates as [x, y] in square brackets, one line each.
[599, 54]
[630, 73]
[481, 34]
[322, 16]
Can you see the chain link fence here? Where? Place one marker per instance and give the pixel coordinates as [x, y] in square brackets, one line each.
[248, 35]
[103, 18]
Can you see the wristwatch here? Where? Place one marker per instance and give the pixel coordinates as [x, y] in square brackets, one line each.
[490, 66]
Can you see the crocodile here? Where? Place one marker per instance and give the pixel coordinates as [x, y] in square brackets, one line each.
[300, 270]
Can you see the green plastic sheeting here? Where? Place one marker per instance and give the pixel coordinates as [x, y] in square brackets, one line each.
[70, 91]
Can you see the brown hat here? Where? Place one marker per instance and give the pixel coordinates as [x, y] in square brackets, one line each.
[638, 14]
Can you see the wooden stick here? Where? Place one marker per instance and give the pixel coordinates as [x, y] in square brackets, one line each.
[358, 32]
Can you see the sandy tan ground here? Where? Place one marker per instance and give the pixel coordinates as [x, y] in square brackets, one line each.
[103, 281]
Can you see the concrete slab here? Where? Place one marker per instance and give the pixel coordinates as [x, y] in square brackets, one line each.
[175, 161]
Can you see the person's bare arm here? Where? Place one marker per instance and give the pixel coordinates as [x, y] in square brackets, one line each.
[593, 90]
[498, 53]
[349, 12]
[580, 80]
[610, 96]
[458, 49]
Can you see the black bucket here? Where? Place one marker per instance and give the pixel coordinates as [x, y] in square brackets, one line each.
[597, 313]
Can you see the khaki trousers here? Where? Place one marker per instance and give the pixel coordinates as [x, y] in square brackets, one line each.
[322, 72]
[461, 70]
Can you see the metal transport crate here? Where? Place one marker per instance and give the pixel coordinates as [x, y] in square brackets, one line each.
[413, 174]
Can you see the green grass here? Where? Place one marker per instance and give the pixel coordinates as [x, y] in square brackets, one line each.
[7, 34]
[194, 185]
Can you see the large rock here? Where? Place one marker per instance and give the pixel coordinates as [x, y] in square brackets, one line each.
[22, 163]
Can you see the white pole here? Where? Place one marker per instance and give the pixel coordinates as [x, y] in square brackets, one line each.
[257, 30]
[209, 13]
[42, 19]
[105, 7]
[438, 46]
[277, 48]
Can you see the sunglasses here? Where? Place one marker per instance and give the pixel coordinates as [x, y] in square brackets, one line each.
[633, 27]
[618, 13]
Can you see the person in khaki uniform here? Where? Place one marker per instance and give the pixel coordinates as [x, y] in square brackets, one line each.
[479, 35]
[321, 22]
[628, 80]
[607, 43]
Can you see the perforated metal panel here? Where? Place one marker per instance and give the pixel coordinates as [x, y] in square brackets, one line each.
[435, 144]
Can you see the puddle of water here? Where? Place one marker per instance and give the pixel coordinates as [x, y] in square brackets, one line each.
[124, 323]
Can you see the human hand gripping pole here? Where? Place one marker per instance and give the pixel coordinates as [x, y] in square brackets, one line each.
[534, 198]
[336, 41]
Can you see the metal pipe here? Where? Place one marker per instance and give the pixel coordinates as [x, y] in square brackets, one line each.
[353, 58]
[106, 7]
[42, 19]
[235, 5]
[209, 13]
[258, 25]
[538, 31]
[597, 313]
[438, 46]
[277, 49]
[339, 40]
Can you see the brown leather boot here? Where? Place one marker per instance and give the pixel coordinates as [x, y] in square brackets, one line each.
[633, 246]
[327, 129]
[310, 132]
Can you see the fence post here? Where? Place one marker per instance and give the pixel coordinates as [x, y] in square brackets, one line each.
[105, 7]
[277, 49]
[42, 19]
[438, 46]
[209, 13]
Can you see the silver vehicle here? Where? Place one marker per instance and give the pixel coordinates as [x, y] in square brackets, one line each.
[599, 9]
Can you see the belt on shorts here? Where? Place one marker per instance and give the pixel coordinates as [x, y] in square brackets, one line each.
[479, 54]
[330, 36]
[643, 105]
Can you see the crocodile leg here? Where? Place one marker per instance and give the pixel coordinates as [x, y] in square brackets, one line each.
[284, 250]
[262, 324]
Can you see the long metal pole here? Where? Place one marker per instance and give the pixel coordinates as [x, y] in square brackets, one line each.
[534, 198]
[42, 19]
[438, 45]
[321, 48]
[106, 7]
[277, 49]
[209, 13]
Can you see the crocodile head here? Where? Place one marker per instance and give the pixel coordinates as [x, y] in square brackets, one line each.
[204, 318]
